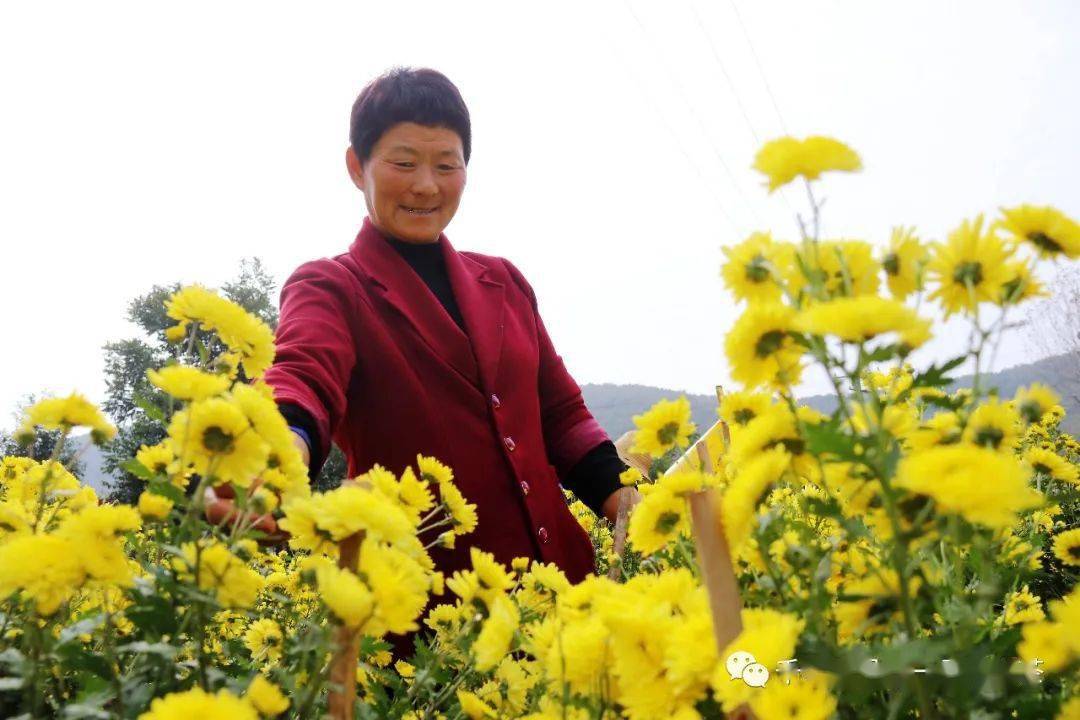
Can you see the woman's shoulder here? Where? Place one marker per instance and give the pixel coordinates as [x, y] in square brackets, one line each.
[504, 271]
[339, 269]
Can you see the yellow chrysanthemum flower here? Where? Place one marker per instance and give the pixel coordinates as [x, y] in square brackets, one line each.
[657, 520]
[198, 703]
[214, 438]
[784, 159]
[1050, 231]
[1020, 283]
[770, 636]
[834, 268]
[807, 697]
[462, 512]
[665, 425]
[241, 331]
[739, 408]
[346, 595]
[153, 506]
[65, 413]
[1070, 710]
[760, 349]
[994, 425]
[741, 499]
[858, 319]
[96, 536]
[156, 458]
[188, 383]
[1052, 465]
[473, 707]
[630, 476]
[1046, 643]
[399, 586]
[904, 263]
[1035, 401]
[497, 633]
[266, 697]
[263, 640]
[1022, 607]
[750, 271]
[234, 583]
[955, 477]
[44, 567]
[969, 268]
[1067, 547]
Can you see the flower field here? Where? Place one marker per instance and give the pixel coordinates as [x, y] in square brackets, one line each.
[912, 553]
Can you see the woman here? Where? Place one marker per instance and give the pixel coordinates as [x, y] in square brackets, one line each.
[404, 345]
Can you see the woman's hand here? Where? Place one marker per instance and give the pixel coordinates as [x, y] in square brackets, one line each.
[220, 504]
[615, 501]
[220, 508]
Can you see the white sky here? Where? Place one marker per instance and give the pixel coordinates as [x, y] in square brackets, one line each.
[144, 143]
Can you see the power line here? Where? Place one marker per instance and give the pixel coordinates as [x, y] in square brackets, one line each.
[761, 70]
[727, 77]
[720, 202]
[701, 125]
[735, 93]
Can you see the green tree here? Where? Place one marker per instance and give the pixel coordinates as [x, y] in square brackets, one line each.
[131, 401]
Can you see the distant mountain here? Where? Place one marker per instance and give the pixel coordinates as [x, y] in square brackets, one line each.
[90, 456]
[615, 405]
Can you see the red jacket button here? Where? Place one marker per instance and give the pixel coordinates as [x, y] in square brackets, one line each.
[543, 534]
[495, 402]
[509, 442]
[524, 488]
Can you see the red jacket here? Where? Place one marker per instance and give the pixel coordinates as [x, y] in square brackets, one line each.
[366, 348]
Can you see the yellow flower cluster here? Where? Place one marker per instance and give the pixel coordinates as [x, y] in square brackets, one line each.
[249, 339]
[55, 540]
[388, 589]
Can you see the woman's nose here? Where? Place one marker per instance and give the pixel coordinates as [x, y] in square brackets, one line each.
[424, 181]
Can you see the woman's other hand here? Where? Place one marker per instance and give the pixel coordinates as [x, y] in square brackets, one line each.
[220, 505]
[616, 500]
[220, 508]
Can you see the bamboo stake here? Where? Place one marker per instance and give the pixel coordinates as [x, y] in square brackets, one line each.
[714, 557]
[619, 540]
[342, 699]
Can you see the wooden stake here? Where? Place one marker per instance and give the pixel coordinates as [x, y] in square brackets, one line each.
[619, 540]
[342, 699]
[714, 559]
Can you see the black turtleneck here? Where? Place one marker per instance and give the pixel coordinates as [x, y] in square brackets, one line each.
[428, 262]
[592, 479]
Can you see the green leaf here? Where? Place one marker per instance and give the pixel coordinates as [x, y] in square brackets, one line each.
[154, 615]
[91, 707]
[86, 626]
[78, 657]
[147, 405]
[936, 375]
[166, 489]
[137, 469]
[828, 439]
[163, 650]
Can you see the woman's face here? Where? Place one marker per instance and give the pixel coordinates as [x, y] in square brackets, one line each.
[413, 180]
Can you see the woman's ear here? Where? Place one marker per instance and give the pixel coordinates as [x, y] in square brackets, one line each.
[356, 170]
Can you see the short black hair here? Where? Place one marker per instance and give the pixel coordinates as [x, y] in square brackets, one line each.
[420, 95]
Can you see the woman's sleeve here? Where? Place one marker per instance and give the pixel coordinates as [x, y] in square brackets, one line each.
[315, 350]
[570, 430]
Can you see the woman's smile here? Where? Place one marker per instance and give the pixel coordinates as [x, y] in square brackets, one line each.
[419, 211]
